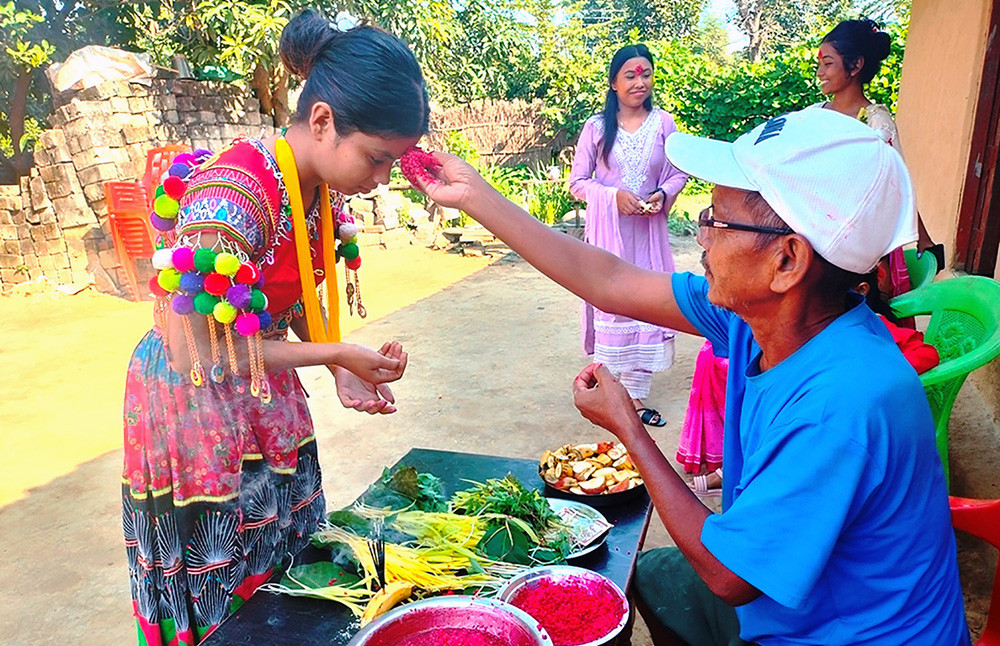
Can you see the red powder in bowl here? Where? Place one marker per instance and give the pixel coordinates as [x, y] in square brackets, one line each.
[572, 611]
[453, 637]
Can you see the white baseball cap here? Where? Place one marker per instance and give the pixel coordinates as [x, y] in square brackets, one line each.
[828, 176]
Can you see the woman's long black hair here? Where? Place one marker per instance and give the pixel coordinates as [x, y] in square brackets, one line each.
[611, 101]
[368, 77]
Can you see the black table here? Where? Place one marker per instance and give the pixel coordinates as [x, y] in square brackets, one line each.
[280, 619]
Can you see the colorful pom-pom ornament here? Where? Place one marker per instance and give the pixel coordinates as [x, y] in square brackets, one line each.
[192, 282]
[348, 230]
[155, 288]
[216, 284]
[247, 324]
[239, 296]
[201, 154]
[183, 259]
[224, 312]
[227, 264]
[265, 319]
[353, 265]
[182, 304]
[204, 303]
[258, 302]
[169, 279]
[174, 187]
[204, 261]
[166, 207]
[163, 259]
[185, 158]
[248, 274]
[160, 191]
[160, 223]
[179, 170]
[349, 251]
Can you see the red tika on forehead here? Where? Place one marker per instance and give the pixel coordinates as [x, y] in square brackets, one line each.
[638, 69]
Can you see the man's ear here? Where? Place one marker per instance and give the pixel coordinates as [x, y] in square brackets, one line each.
[321, 120]
[793, 257]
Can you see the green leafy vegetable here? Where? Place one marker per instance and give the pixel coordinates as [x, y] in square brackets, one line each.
[507, 497]
[405, 488]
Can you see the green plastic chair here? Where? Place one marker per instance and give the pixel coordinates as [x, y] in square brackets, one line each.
[965, 329]
[922, 270]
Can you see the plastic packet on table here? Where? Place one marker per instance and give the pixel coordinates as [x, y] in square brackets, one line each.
[583, 528]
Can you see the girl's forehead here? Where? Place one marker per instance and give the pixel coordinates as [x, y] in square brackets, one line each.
[636, 64]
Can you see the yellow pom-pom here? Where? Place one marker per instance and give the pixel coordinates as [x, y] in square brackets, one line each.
[227, 264]
[169, 279]
[224, 313]
[166, 207]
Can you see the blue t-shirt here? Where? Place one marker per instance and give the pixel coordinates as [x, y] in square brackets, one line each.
[834, 503]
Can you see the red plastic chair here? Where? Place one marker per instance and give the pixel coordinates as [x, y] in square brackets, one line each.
[128, 216]
[981, 518]
[158, 160]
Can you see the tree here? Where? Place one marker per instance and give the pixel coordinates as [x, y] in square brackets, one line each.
[772, 25]
[21, 58]
[644, 19]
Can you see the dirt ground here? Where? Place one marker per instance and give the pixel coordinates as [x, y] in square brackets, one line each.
[494, 347]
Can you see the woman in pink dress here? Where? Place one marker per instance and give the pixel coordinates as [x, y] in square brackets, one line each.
[620, 170]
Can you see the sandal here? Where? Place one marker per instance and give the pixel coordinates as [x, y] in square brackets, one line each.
[651, 417]
[699, 485]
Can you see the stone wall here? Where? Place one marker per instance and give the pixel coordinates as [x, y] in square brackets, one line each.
[54, 223]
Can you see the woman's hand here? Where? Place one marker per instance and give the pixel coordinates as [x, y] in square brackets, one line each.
[602, 400]
[458, 185]
[655, 201]
[628, 203]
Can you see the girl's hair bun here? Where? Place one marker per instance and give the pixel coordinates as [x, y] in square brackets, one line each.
[302, 41]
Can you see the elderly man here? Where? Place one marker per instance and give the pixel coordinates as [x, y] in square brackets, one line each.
[835, 526]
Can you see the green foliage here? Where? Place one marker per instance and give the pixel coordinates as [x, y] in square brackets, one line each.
[24, 52]
[507, 497]
[680, 223]
[406, 488]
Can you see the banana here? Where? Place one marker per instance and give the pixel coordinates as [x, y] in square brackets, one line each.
[386, 598]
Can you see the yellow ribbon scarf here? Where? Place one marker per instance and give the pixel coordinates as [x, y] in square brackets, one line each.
[318, 331]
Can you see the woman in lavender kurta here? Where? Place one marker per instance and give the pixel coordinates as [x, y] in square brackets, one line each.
[621, 171]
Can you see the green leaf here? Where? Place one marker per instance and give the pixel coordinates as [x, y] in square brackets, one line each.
[319, 575]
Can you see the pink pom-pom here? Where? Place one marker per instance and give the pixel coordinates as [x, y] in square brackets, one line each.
[174, 187]
[185, 158]
[247, 324]
[353, 265]
[183, 259]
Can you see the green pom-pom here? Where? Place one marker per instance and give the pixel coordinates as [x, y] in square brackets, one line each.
[349, 251]
[204, 260]
[224, 312]
[204, 303]
[169, 279]
[257, 301]
[166, 207]
[159, 191]
[227, 264]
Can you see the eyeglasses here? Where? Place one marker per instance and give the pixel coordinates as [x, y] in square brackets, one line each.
[705, 219]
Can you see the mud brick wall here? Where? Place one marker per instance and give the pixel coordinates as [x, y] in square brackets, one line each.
[54, 223]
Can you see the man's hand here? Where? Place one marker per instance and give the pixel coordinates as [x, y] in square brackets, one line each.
[605, 402]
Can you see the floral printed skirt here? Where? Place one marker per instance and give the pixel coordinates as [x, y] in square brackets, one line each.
[218, 490]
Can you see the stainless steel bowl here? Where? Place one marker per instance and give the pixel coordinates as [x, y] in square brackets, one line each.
[558, 573]
[500, 620]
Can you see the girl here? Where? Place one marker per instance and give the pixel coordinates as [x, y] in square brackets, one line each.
[622, 173]
[221, 480]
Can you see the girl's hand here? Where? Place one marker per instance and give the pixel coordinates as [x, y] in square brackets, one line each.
[628, 203]
[363, 396]
[368, 392]
[457, 184]
[388, 364]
